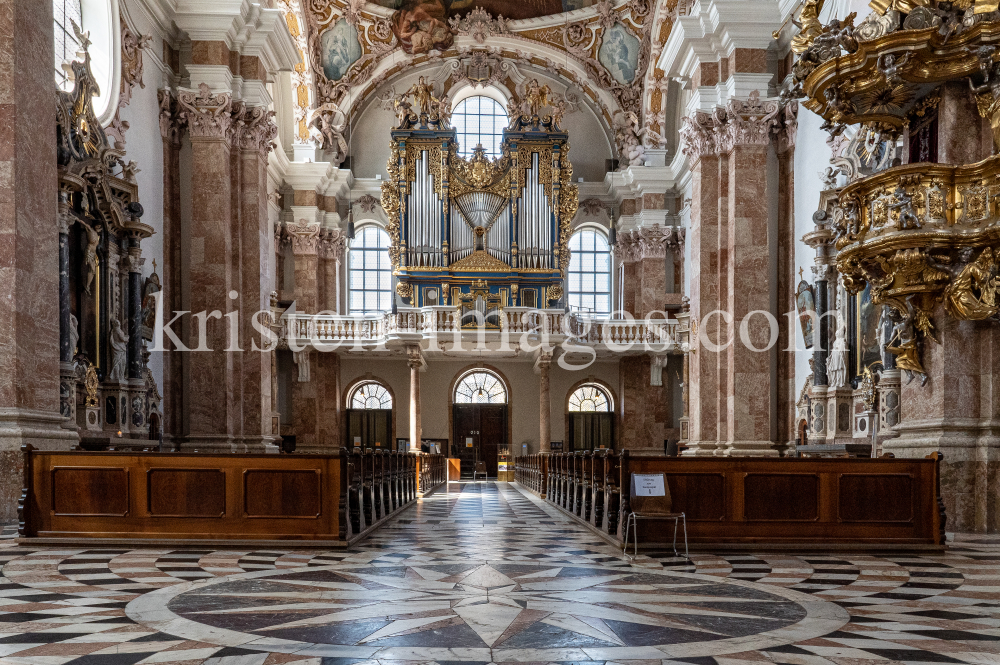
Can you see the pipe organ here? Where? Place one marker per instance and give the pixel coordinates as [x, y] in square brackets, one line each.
[486, 233]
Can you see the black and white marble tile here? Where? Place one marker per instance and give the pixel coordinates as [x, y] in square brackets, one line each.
[485, 573]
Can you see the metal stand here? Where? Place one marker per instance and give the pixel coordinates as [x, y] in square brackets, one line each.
[634, 517]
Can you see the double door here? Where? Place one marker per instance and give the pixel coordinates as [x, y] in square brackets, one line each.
[370, 429]
[479, 430]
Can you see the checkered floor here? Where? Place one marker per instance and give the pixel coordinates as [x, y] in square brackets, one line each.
[69, 605]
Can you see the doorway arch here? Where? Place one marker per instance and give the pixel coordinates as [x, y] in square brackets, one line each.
[480, 418]
[369, 416]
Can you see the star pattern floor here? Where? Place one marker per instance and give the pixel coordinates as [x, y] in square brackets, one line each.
[484, 573]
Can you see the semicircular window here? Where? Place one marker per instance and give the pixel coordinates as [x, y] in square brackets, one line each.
[589, 398]
[480, 388]
[371, 395]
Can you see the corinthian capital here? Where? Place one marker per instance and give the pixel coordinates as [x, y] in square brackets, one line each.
[170, 119]
[331, 245]
[207, 115]
[253, 128]
[698, 136]
[748, 123]
[304, 237]
[652, 242]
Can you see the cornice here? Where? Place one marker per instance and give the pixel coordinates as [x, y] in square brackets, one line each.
[713, 30]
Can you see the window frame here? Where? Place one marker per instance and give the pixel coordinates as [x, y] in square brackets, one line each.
[101, 19]
[608, 399]
[386, 394]
[364, 252]
[475, 372]
[576, 257]
[498, 115]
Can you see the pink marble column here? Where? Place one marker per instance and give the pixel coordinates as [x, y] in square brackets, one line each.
[542, 365]
[316, 403]
[305, 250]
[29, 245]
[748, 376]
[331, 255]
[209, 398]
[703, 385]
[256, 132]
[171, 125]
[415, 362]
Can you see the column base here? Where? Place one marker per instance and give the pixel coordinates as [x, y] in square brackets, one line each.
[751, 449]
[702, 449]
[18, 427]
[970, 470]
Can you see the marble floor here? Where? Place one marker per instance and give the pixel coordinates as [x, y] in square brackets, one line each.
[485, 573]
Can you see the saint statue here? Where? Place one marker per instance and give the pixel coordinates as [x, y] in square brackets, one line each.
[90, 255]
[836, 364]
[119, 352]
[423, 95]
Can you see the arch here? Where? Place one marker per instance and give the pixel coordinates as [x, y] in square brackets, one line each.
[367, 378]
[370, 395]
[369, 271]
[463, 91]
[606, 435]
[589, 273]
[480, 386]
[479, 120]
[598, 383]
[590, 397]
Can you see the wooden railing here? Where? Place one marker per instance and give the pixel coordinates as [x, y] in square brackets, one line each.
[133, 496]
[432, 472]
[751, 500]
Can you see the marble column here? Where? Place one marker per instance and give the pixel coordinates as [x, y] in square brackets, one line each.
[29, 243]
[316, 407]
[171, 125]
[651, 269]
[67, 376]
[305, 250]
[134, 263]
[415, 361]
[209, 397]
[703, 378]
[542, 365]
[254, 138]
[331, 255]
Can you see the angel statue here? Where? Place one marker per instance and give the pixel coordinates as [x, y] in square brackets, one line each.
[423, 96]
[903, 342]
[442, 109]
[119, 352]
[330, 122]
[627, 137]
[809, 25]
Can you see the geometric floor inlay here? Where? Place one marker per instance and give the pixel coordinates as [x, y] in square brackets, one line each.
[483, 572]
[480, 612]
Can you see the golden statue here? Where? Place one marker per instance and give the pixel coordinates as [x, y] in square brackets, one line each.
[905, 349]
[537, 96]
[808, 25]
[959, 295]
[423, 96]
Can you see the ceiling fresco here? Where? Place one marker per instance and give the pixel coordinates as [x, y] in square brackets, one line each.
[513, 11]
[605, 50]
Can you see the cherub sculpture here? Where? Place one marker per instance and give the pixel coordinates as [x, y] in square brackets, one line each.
[904, 204]
[330, 123]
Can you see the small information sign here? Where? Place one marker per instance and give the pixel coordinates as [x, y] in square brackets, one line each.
[648, 484]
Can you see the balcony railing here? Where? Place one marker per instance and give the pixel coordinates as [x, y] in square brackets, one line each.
[412, 325]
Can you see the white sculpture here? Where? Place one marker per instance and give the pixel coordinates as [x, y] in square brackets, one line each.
[74, 335]
[119, 352]
[330, 123]
[836, 362]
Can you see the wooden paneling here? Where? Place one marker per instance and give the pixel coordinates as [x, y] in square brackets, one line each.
[701, 496]
[894, 492]
[783, 497]
[90, 491]
[835, 502]
[187, 492]
[282, 494]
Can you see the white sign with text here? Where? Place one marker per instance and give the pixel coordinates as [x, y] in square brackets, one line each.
[648, 484]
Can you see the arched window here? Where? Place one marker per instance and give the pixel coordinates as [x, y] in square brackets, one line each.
[99, 19]
[371, 272]
[590, 272]
[480, 388]
[589, 398]
[479, 120]
[371, 395]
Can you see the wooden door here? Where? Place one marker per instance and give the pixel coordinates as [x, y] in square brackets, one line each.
[493, 434]
[466, 429]
[373, 426]
[485, 425]
[590, 430]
